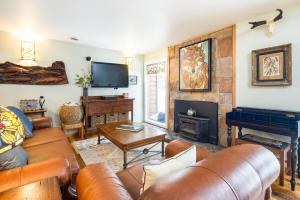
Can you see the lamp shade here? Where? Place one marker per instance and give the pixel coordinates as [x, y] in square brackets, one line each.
[11, 130]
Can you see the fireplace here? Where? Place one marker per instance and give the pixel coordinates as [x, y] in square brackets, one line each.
[203, 127]
[194, 127]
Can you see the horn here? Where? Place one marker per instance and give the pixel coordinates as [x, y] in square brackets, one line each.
[279, 16]
[256, 24]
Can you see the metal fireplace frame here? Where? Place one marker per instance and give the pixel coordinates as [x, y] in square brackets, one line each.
[203, 108]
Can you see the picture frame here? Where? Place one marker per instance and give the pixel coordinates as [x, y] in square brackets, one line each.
[272, 66]
[195, 67]
[29, 104]
[27, 50]
[132, 80]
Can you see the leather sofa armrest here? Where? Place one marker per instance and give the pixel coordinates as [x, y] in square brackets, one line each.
[31, 173]
[177, 146]
[42, 122]
[98, 181]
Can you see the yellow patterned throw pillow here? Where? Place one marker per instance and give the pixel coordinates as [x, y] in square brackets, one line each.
[11, 130]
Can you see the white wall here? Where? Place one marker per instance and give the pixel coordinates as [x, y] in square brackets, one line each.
[73, 55]
[286, 31]
[156, 56]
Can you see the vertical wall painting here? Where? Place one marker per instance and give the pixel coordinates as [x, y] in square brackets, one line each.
[195, 67]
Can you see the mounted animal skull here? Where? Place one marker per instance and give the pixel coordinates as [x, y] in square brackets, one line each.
[269, 23]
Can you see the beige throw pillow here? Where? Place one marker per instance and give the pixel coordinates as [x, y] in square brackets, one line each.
[180, 161]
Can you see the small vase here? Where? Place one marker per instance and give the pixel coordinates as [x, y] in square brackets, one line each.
[85, 92]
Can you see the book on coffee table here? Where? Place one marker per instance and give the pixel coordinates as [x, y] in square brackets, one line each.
[131, 127]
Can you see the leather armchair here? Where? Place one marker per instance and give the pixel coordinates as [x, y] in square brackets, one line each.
[243, 172]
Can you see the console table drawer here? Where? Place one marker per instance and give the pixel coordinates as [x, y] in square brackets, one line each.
[124, 108]
[95, 106]
[99, 109]
[121, 103]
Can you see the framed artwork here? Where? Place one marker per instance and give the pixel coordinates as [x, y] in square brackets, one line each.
[272, 66]
[132, 80]
[195, 67]
[27, 50]
[28, 104]
[33, 75]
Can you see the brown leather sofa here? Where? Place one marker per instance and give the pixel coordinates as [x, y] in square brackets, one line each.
[236, 173]
[49, 154]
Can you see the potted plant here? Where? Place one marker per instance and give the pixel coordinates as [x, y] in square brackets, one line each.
[83, 81]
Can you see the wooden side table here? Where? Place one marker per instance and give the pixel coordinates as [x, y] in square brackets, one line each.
[31, 113]
[47, 189]
[79, 126]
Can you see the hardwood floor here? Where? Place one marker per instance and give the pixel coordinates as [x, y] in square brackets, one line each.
[279, 193]
[76, 137]
[285, 192]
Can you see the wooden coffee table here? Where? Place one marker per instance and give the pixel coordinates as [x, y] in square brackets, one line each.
[127, 140]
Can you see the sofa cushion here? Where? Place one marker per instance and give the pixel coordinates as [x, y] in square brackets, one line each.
[15, 157]
[44, 136]
[132, 179]
[157, 171]
[59, 148]
[26, 122]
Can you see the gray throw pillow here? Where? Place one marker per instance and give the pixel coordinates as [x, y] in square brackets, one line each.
[13, 158]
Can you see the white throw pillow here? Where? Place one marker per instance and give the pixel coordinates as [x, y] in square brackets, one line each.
[180, 161]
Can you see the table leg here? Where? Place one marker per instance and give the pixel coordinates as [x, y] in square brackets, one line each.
[89, 121]
[282, 170]
[294, 160]
[125, 159]
[82, 132]
[240, 133]
[229, 137]
[99, 141]
[85, 123]
[163, 148]
[62, 127]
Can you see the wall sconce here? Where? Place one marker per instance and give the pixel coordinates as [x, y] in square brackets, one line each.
[128, 62]
[27, 50]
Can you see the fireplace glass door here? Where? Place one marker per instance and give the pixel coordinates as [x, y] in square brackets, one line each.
[156, 93]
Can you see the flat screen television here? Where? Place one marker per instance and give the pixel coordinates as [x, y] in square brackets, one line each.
[109, 75]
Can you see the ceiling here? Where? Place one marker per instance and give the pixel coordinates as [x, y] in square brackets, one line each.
[131, 26]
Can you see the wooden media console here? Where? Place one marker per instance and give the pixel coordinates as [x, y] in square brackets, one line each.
[98, 106]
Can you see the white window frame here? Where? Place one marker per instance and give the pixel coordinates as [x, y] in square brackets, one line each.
[165, 125]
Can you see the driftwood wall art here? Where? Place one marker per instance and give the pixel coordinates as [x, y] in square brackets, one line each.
[11, 73]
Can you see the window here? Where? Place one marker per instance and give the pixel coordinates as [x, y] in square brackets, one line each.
[156, 94]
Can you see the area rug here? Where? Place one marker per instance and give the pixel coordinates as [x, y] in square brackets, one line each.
[91, 152]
